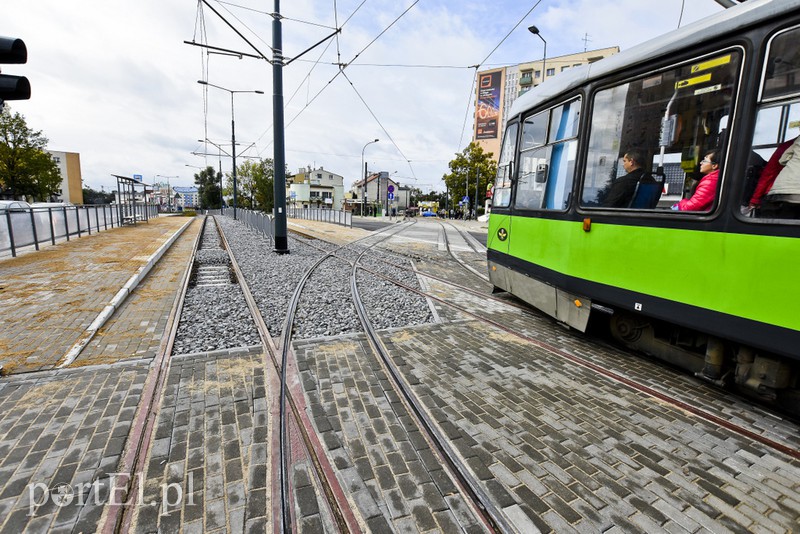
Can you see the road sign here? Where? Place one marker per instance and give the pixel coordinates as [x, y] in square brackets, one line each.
[465, 200]
[390, 195]
[137, 177]
[390, 188]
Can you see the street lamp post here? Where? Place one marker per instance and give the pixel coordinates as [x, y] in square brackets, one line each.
[364, 171]
[534, 30]
[169, 188]
[233, 133]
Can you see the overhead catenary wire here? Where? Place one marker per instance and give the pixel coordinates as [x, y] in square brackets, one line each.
[342, 67]
[472, 88]
[411, 167]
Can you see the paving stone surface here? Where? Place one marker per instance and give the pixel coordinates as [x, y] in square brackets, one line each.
[211, 440]
[139, 327]
[57, 292]
[578, 452]
[61, 437]
[381, 459]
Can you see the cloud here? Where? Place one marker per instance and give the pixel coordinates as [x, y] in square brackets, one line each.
[113, 79]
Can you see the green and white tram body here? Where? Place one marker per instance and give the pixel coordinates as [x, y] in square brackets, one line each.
[714, 291]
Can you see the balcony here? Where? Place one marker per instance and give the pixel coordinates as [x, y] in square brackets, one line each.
[526, 79]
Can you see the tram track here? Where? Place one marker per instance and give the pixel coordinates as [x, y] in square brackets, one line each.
[778, 443]
[481, 504]
[293, 411]
[637, 385]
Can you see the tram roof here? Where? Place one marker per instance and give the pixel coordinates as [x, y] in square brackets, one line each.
[720, 24]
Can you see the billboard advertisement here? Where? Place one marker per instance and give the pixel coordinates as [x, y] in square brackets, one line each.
[488, 109]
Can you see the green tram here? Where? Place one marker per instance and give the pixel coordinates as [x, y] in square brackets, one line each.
[714, 288]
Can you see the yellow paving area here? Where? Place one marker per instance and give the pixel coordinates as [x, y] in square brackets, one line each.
[139, 327]
[327, 231]
[48, 298]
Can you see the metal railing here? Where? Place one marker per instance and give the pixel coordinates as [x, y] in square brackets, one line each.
[343, 218]
[24, 227]
[258, 220]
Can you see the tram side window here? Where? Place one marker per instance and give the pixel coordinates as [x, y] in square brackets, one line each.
[547, 158]
[501, 197]
[774, 192]
[654, 131]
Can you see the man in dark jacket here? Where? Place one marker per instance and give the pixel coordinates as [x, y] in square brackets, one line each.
[622, 189]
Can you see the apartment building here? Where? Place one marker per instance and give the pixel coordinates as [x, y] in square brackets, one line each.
[497, 89]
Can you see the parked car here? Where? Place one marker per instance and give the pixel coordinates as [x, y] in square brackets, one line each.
[52, 205]
[428, 214]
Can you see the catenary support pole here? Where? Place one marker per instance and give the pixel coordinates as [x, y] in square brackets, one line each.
[281, 239]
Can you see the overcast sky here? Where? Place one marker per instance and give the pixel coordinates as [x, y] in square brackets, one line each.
[114, 81]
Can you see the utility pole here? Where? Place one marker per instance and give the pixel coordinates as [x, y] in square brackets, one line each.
[279, 188]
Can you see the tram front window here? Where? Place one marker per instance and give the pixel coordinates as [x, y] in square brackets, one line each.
[502, 184]
[671, 119]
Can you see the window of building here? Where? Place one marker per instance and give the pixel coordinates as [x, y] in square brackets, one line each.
[669, 119]
[547, 158]
[537, 74]
[565, 67]
[551, 71]
[577, 65]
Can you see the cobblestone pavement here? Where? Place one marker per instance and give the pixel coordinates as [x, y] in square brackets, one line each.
[56, 293]
[382, 460]
[137, 329]
[212, 439]
[61, 437]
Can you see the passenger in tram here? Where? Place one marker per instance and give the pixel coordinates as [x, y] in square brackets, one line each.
[784, 196]
[623, 188]
[769, 174]
[703, 197]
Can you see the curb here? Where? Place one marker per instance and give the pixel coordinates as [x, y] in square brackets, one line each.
[119, 298]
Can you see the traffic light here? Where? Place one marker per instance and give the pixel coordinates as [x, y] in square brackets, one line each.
[13, 87]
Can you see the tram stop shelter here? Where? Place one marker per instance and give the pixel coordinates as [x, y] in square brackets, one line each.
[132, 199]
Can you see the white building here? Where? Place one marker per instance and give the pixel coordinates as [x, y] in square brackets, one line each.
[316, 188]
[187, 197]
[69, 163]
[382, 195]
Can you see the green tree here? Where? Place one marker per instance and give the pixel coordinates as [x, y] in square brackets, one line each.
[468, 165]
[92, 196]
[207, 181]
[26, 169]
[255, 181]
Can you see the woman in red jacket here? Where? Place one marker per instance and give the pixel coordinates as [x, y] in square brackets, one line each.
[703, 197]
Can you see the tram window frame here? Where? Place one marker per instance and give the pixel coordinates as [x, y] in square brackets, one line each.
[604, 157]
[546, 165]
[777, 113]
[504, 180]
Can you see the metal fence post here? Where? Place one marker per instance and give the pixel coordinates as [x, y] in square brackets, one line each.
[33, 227]
[11, 234]
[66, 223]
[52, 227]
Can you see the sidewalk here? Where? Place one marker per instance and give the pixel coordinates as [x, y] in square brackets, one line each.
[56, 293]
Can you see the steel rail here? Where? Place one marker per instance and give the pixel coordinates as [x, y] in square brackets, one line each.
[486, 509]
[137, 444]
[633, 384]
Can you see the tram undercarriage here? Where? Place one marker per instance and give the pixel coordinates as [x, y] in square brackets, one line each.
[757, 374]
